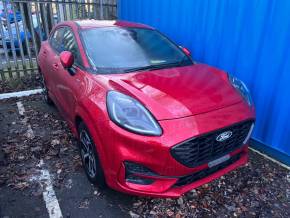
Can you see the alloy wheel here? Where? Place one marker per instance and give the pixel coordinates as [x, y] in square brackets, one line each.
[87, 153]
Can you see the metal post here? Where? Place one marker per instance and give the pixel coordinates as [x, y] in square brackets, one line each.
[101, 10]
[60, 12]
[51, 16]
[89, 9]
[19, 42]
[38, 21]
[83, 9]
[4, 46]
[44, 16]
[95, 9]
[32, 32]
[26, 35]
[10, 35]
[77, 9]
[71, 13]
[64, 10]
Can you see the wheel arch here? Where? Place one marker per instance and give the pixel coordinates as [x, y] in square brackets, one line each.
[83, 115]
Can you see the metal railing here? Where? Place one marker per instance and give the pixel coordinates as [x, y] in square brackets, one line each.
[24, 24]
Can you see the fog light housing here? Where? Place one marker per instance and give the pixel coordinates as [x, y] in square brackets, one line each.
[138, 174]
[138, 180]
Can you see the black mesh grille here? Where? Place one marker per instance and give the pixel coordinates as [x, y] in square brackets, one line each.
[205, 148]
[204, 173]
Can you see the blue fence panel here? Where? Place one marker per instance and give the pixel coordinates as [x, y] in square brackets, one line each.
[248, 38]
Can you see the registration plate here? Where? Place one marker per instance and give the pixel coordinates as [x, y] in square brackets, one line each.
[218, 161]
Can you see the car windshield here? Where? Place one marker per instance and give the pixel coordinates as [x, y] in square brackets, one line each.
[118, 49]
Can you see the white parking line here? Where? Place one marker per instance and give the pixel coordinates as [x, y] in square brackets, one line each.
[48, 194]
[20, 94]
[44, 179]
[21, 110]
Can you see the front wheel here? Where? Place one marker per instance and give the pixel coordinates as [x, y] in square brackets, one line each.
[90, 158]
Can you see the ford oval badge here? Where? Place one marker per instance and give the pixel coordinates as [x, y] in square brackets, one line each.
[224, 136]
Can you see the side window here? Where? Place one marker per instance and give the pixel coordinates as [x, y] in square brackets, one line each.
[71, 45]
[56, 39]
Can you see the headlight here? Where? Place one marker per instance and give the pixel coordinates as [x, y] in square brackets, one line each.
[130, 114]
[241, 88]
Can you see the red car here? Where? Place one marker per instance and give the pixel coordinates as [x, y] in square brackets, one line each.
[150, 121]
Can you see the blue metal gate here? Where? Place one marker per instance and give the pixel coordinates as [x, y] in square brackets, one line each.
[248, 38]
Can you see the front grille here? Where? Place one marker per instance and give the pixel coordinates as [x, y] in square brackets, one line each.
[205, 148]
[185, 180]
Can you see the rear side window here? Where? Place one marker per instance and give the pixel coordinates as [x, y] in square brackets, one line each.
[56, 39]
[71, 45]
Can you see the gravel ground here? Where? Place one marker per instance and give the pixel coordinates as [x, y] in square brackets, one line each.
[259, 189]
[51, 142]
[20, 84]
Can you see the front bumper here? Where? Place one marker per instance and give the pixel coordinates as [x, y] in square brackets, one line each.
[155, 152]
[166, 186]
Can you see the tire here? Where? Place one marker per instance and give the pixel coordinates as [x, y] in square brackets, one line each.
[90, 159]
[45, 94]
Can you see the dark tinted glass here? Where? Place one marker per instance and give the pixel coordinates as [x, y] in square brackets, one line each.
[113, 49]
[71, 45]
[56, 40]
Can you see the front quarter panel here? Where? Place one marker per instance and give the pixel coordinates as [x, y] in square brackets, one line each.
[91, 108]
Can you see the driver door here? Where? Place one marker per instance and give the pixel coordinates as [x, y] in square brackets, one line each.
[68, 87]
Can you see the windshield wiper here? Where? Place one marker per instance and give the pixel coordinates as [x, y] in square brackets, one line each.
[148, 67]
[158, 66]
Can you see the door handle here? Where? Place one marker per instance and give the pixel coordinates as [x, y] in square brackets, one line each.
[55, 66]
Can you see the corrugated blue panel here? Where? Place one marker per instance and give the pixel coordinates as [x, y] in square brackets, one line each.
[248, 38]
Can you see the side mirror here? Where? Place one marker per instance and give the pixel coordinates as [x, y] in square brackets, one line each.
[66, 59]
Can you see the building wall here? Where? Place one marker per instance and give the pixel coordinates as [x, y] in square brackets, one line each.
[248, 38]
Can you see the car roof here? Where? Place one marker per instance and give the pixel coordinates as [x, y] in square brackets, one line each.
[91, 23]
